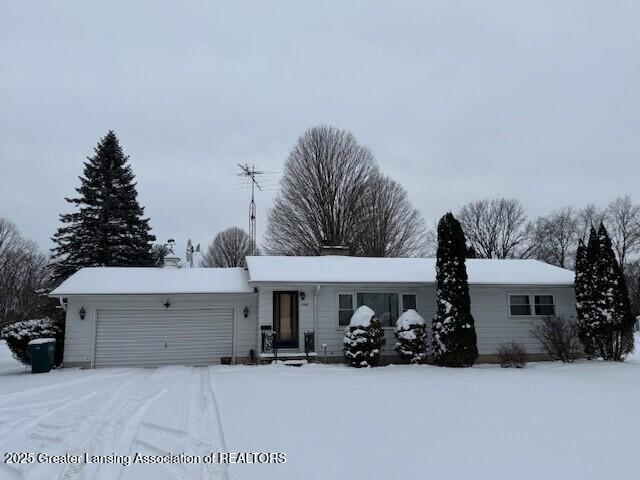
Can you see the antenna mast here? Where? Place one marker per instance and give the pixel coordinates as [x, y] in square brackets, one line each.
[252, 174]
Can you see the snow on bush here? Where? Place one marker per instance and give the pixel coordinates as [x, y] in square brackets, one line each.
[363, 339]
[19, 334]
[512, 354]
[605, 321]
[411, 335]
[454, 337]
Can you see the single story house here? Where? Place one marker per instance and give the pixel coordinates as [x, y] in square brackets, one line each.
[289, 306]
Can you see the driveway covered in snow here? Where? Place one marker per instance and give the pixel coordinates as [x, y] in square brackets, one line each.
[545, 421]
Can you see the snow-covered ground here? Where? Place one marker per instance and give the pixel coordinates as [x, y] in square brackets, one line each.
[548, 420]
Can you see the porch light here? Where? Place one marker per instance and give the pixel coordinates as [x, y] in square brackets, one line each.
[303, 296]
[167, 304]
[246, 312]
[82, 313]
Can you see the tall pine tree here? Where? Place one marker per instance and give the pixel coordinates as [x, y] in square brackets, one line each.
[602, 300]
[454, 334]
[585, 289]
[614, 324]
[108, 227]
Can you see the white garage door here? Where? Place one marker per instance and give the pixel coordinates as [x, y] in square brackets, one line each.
[153, 337]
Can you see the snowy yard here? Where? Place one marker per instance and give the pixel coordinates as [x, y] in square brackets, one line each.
[546, 421]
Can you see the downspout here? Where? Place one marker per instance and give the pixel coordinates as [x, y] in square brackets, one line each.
[315, 318]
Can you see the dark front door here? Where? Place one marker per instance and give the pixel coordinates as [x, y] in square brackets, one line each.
[285, 318]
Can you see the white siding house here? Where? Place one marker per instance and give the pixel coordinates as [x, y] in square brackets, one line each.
[198, 316]
[322, 281]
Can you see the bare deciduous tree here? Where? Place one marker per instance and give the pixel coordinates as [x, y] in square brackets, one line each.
[622, 218]
[24, 272]
[228, 249]
[322, 192]
[497, 228]
[589, 216]
[556, 237]
[389, 225]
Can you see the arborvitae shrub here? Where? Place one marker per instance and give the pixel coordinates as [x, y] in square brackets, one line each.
[454, 335]
[602, 300]
[363, 339]
[411, 336]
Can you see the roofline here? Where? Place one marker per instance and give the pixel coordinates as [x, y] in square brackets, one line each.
[486, 284]
[64, 295]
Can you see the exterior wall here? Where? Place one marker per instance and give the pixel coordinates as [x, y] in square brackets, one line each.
[495, 325]
[80, 334]
[331, 333]
[489, 306]
[328, 331]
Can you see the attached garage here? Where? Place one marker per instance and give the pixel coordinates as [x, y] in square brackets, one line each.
[150, 317]
[155, 337]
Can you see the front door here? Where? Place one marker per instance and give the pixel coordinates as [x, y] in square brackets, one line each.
[285, 319]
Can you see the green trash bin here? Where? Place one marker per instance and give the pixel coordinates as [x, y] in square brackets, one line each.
[41, 353]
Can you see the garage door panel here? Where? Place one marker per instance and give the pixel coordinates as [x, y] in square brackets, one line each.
[153, 337]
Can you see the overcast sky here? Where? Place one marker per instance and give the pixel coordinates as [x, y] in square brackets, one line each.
[457, 100]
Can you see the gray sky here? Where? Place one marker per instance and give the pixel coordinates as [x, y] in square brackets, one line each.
[457, 100]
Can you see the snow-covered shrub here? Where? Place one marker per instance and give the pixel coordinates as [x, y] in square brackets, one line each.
[18, 335]
[411, 335]
[454, 337]
[363, 339]
[559, 338]
[512, 354]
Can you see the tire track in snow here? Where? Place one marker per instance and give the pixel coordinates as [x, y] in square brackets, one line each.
[106, 424]
[31, 392]
[212, 426]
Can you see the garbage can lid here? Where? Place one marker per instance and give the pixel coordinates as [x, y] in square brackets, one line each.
[38, 341]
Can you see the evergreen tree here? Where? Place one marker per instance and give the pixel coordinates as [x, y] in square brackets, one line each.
[108, 228]
[411, 335]
[585, 290]
[363, 339]
[454, 335]
[613, 326]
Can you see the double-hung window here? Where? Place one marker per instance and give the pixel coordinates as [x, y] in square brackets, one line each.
[409, 302]
[519, 305]
[526, 305]
[345, 308]
[544, 305]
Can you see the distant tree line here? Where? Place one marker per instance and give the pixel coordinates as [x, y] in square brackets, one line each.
[500, 228]
[24, 275]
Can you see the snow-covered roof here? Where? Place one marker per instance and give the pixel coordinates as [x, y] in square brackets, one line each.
[342, 269]
[151, 280]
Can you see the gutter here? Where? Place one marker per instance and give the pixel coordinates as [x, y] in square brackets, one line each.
[316, 292]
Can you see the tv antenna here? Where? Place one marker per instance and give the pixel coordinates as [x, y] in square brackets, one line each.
[254, 176]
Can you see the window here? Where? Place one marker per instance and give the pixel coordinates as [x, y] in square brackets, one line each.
[519, 305]
[384, 304]
[409, 302]
[543, 305]
[345, 308]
